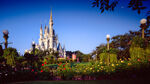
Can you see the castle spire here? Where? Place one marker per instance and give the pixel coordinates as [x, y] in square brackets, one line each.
[51, 15]
[51, 31]
[41, 32]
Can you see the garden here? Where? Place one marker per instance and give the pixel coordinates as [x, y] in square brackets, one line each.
[126, 57]
[107, 66]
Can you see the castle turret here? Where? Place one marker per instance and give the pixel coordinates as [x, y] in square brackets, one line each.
[41, 36]
[45, 32]
[64, 52]
[41, 32]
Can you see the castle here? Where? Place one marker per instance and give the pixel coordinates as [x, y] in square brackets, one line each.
[49, 40]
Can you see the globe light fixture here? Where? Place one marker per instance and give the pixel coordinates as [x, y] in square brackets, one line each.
[107, 38]
[33, 43]
[143, 21]
[143, 26]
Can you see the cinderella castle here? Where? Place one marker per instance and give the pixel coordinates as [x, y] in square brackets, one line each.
[49, 40]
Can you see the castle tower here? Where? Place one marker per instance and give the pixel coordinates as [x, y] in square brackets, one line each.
[45, 30]
[41, 32]
[64, 52]
[51, 32]
[55, 43]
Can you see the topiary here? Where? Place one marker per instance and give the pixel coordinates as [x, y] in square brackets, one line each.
[137, 48]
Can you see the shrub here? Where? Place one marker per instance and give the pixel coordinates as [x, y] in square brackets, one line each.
[113, 58]
[137, 53]
[103, 57]
[137, 49]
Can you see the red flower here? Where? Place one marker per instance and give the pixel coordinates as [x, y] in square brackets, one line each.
[42, 64]
[64, 68]
[32, 70]
[41, 70]
[138, 60]
[64, 65]
[45, 62]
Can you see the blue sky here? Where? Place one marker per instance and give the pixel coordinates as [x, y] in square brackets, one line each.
[78, 25]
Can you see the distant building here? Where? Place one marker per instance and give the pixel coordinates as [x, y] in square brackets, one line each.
[49, 40]
[74, 57]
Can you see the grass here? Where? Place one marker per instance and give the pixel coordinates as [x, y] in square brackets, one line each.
[87, 82]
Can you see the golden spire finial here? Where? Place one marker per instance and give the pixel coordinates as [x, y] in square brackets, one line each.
[51, 14]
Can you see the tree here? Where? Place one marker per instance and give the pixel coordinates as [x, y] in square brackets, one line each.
[86, 57]
[10, 55]
[109, 5]
[79, 55]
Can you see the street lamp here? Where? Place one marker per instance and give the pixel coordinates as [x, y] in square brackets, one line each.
[5, 32]
[143, 26]
[107, 38]
[33, 46]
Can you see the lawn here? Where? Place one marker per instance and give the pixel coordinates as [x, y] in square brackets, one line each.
[87, 82]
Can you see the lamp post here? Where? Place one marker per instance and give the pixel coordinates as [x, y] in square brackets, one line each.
[108, 38]
[5, 32]
[143, 26]
[33, 46]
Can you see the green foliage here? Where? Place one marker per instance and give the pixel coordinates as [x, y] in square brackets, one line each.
[64, 70]
[36, 51]
[49, 59]
[10, 55]
[79, 55]
[109, 5]
[86, 57]
[61, 60]
[113, 58]
[138, 42]
[147, 50]
[103, 57]
[137, 49]
[108, 55]
[113, 51]
[137, 53]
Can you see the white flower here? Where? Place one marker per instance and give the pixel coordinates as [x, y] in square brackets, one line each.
[6, 74]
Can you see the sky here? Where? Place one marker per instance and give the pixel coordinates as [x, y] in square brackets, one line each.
[79, 26]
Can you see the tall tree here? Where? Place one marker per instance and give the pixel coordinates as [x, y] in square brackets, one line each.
[10, 55]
